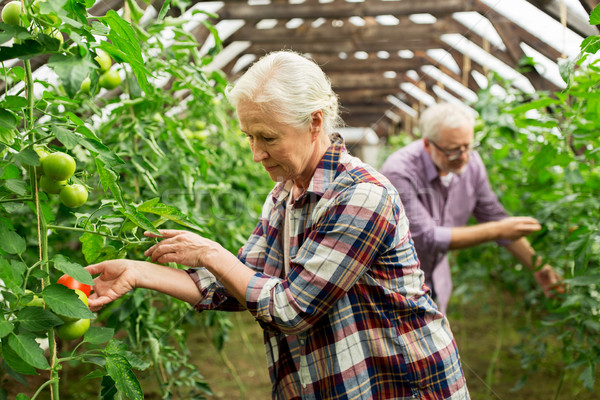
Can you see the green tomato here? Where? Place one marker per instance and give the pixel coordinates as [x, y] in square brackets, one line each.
[11, 13]
[51, 186]
[83, 299]
[110, 79]
[73, 330]
[36, 302]
[59, 166]
[85, 85]
[73, 196]
[103, 60]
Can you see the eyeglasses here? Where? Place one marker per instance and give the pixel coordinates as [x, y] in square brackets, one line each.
[455, 154]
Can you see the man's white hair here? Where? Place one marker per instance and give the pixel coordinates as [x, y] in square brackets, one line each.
[444, 115]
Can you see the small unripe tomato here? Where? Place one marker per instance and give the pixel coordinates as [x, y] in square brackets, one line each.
[85, 85]
[51, 186]
[110, 79]
[73, 196]
[73, 330]
[11, 13]
[103, 60]
[59, 166]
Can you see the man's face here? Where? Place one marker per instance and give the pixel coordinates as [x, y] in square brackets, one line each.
[452, 150]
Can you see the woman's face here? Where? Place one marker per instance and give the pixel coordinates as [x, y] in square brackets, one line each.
[286, 152]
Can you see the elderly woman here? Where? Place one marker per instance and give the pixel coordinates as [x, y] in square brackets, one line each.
[330, 271]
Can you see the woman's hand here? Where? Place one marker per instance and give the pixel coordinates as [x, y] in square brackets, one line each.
[182, 247]
[116, 278]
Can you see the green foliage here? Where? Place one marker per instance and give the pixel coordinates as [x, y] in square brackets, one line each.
[161, 150]
[542, 151]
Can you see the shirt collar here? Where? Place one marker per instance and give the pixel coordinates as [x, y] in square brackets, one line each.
[431, 171]
[324, 175]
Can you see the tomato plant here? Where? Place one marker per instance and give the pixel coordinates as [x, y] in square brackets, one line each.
[11, 13]
[59, 166]
[74, 195]
[72, 283]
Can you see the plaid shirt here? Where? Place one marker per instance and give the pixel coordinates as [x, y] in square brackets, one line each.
[352, 319]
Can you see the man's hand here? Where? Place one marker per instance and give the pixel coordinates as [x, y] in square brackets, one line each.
[513, 228]
[549, 281]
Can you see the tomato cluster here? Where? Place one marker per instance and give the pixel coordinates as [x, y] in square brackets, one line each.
[74, 328]
[58, 168]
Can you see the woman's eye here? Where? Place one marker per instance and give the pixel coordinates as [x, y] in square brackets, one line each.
[269, 140]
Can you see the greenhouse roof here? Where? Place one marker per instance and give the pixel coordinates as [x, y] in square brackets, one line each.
[388, 59]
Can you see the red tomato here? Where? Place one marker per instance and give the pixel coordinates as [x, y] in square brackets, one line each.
[71, 283]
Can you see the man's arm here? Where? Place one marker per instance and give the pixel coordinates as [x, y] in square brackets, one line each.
[511, 228]
[546, 276]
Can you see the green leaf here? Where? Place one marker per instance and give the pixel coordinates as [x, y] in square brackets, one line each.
[139, 219]
[164, 10]
[7, 32]
[26, 50]
[595, 16]
[91, 245]
[104, 153]
[533, 105]
[72, 269]
[29, 157]
[72, 70]
[29, 350]
[22, 396]
[11, 172]
[587, 377]
[172, 213]
[37, 319]
[7, 119]
[15, 362]
[17, 186]
[5, 328]
[110, 181]
[14, 102]
[11, 242]
[66, 137]
[98, 335]
[64, 301]
[590, 45]
[119, 369]
[12, 274]
[124, 47]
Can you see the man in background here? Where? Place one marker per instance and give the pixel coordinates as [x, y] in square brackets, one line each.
[442, 182]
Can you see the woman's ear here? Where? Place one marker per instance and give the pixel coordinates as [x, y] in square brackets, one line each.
[316, 123]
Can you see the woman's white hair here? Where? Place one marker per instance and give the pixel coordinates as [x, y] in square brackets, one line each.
[448, 115]
[291, 86]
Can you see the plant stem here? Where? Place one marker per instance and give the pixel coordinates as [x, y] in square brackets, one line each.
[234, 373]
[42, 386]
[69, 228]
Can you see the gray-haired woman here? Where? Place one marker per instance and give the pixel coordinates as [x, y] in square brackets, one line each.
[330, 271]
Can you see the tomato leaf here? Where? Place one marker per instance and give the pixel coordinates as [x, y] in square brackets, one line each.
[13, 360]
[110, 181]
[11, 242]
[66, 137]
[124, 47]
[7, 119]
[91, 245]
[595, 16]
[37, 319]
[29, 350]
[64, 301]
[6, 327]
[98, 335]
[12, 274]
[72, 70]
[139, 219]
[17, 186]
[72, 269]
[119, 369]
[172, 213]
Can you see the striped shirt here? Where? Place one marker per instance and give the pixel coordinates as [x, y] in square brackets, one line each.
[352, 319]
